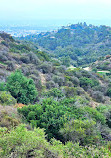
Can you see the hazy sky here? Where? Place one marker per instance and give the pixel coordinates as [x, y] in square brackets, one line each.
[68, 10]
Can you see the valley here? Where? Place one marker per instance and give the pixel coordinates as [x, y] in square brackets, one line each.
[55, 93]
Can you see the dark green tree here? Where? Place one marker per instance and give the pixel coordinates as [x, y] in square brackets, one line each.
[66, 61]
[21, 87]
[109, 92]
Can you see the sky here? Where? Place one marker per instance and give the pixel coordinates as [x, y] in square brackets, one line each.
[55, 11]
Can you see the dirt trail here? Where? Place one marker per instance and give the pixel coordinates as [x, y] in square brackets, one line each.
[87, 68]
[101, 83]
[71, 67]
[93, 103]
[43, 80]
[1, 40]
[18, 66]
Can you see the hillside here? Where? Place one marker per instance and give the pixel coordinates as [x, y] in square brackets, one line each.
[104, 63]
[49, 110]
[80, 43]
[43, 69]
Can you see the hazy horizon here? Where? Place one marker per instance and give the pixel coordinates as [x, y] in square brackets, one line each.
[54, 22]
[23, 17]
[56, 12]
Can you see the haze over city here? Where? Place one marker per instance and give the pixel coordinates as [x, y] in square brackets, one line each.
[53, 14]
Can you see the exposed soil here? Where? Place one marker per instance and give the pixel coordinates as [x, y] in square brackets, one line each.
[43, 80]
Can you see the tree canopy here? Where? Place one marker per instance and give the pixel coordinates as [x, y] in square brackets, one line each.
[21, 87]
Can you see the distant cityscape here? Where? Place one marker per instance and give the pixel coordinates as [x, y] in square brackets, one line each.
[24, 28]
[18, 31]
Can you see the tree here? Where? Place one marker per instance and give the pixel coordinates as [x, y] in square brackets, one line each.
[85, 82]
[109, 92]
[66, 61]
[21, 87]
[94, 69]
[51, 115]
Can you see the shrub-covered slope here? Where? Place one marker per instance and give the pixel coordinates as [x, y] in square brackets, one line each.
[82, 43]
[72, 105]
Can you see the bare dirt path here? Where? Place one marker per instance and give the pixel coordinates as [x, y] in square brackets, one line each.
[43, 80]
[87, 68]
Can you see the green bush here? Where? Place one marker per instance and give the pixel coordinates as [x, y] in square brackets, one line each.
[8, 121]
[59, 80]
[98, 96]
[51, 115]
[43, 56]
[75, 81]
[46, 67]
[2, 86]
[109, 92]
[10, 65]
[21, 88]
[6, 98]
[70, 91]
[33, 58]
[51, 84]
[20, 142]
[19, 48]
[23, 143]
[82, 131]
[85, 82]
[95, 115]
[54, 92]
[106, 111]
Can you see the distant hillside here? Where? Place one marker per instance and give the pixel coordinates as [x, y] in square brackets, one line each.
[104, 63]
[46, 71]
[82, 43]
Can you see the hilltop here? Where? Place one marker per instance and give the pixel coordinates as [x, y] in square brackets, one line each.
[80, 43]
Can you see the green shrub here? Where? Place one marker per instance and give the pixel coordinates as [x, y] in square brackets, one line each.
[59, 80]
[6, 98]
[54, 92]
[25, 59]
[106, 111]
[19, 48]
[80, 131]
[98, 96]
[8, 121]
[47, 116]
[10, 66]
[43, 56]
[33, 58]
[2, 86]
[109, 92]
[20, 142]
[70, 91]
[75, 81]
[46, 67]
[85, 82]
[81, 100]
[21, 88]
[51, 115]
[51, 84]
[94, 114]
